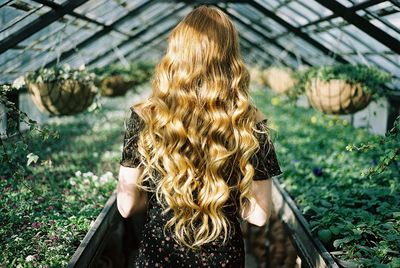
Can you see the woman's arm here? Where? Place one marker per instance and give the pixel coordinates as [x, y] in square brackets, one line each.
[262, 197]
[129, 197]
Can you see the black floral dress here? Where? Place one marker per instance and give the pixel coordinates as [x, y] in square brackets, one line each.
[159, 250]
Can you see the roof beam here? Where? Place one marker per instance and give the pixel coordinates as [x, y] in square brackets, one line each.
[363, 24]
[261, 52]
[159, 37]
[152, 43]
[38, 24]
[206, 2]
[248, 49]
[149, 41]
[54, 5]
[264, 36]
[145, 29]
[354, 8]
[94, 37]
[297, 32]
[142, 45]
[351, 35]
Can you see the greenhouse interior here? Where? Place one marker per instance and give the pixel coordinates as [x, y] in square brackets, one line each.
[326, 73]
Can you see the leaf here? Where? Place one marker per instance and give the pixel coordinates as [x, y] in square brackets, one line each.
[335, 230]
[339, 242]
[32, 158]
[325, 235]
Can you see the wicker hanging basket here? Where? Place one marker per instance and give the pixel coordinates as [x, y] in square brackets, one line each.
[336, 96]
[256, 76]
[62, 97]
[279, 80]
[114, 86]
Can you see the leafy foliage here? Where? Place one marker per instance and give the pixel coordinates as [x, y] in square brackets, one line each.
[12, 155]
[63, 186]
[60, 72]
[139, 72]
[354, 212]
[391, 140]
[371, 78]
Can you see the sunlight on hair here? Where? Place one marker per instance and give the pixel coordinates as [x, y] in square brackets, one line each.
[199, 128]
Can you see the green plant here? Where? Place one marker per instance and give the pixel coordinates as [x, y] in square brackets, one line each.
[355, 213]
[15, 164]
[138, 72]
[57, 73]
[371, 78]
[391, 139]
[46, 213]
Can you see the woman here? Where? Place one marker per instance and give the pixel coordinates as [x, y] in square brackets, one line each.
[197, 155]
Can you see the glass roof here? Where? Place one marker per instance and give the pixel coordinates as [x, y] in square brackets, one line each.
[41, 33]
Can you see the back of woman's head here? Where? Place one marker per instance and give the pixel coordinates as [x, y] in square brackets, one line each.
[199, 127]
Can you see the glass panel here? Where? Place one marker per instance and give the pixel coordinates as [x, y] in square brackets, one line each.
[18, 14]
[307, 14]
[315, 7]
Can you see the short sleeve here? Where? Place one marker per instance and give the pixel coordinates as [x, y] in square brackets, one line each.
[130, 155]
[265, 161]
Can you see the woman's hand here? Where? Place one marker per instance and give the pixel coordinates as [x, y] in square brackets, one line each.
[130, 199]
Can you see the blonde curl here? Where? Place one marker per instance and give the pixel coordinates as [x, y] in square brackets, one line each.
[199, 124]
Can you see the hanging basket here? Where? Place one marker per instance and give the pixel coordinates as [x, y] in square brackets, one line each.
[114, 86]
[280, 80]
[336, 96]
[62, 97]
[256, 76]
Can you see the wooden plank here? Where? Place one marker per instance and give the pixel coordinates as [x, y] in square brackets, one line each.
[310, 249]
[94, 241]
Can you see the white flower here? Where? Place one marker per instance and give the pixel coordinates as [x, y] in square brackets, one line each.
[95, 177]
[88, 174]
[29, 258]
[72, 182]
[78, 173]
[106, 177]
[66, 67]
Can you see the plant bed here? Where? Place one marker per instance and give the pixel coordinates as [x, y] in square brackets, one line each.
[94, 241]
[309, 248]
[45, 215]
[355, 215]
[112, 241]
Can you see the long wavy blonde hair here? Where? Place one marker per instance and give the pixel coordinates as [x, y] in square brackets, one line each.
[198, 131]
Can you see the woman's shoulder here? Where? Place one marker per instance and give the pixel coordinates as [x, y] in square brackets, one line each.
[134, 123]
[137, 112]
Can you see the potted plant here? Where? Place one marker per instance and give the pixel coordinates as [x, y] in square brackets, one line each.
[142, 71]
[115, 80]
[61, 90]
[342, 88]
[279, 79]
[256, 76]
